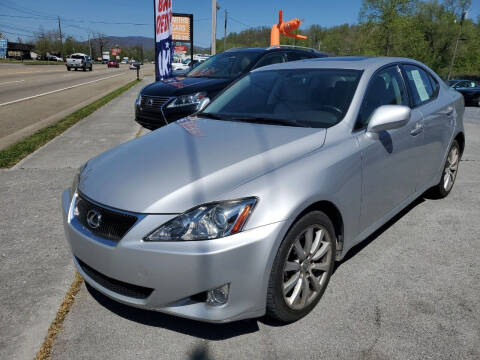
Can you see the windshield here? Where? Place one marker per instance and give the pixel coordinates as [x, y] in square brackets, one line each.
[316, 98]
[186, 61]
[225, 65]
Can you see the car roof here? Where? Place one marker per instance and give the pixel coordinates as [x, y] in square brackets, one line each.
[272, 49]
[340, 62]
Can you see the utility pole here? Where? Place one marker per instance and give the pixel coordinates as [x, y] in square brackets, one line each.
[90, 45]
[60, 33]
[464, 14]
[225, 32]
[215, 7]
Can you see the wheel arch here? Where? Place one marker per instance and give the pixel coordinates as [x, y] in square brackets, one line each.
[460, 137]
[333, 213]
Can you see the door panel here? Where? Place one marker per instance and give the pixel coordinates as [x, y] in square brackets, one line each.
[389, 159]
[390, 163]
[438, 120]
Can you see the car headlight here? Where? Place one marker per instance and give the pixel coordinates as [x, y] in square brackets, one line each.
[76, 179]
[138, 102]
[188, 100]
[206, 222]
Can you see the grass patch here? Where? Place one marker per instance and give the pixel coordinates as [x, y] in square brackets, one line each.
[16, 152]
[45, 351]
[40, 62]
[31, 62]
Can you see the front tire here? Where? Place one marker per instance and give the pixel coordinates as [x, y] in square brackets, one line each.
[449, 174]
[302, 268]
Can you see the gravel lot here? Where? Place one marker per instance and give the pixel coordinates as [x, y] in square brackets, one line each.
[411, 291]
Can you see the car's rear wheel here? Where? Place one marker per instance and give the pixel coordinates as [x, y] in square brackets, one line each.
[302, 268]
[449, 174]
[68, 68]
[84, 68]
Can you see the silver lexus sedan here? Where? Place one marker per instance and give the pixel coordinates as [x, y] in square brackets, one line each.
[242, 209]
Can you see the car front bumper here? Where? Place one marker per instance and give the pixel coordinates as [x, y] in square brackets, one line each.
[176, 271]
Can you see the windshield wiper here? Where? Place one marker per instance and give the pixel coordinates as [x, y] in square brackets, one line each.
[266, 120]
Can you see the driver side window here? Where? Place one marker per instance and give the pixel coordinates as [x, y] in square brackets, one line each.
[385, 88]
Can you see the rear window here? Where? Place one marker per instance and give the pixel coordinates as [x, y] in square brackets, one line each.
[78, 57]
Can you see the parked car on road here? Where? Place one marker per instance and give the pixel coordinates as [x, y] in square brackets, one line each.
[113, 63]
[163, 102]
[79, 61]
[244, 208]
[470, 90]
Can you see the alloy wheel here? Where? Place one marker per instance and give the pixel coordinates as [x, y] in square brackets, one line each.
[451, 168]
[305, 272]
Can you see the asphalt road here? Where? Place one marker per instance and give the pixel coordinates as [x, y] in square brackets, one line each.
[33, 96]
[411, 291]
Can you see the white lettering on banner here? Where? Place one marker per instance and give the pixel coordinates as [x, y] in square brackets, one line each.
[164, 58]
[163, 16]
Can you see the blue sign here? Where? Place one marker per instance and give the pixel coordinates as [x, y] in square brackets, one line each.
[163, 39]
[3, 48]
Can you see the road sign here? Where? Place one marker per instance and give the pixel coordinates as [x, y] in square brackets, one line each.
[3, 48]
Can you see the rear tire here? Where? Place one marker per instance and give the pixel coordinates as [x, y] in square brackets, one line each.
[302, 268]
[68, 68]
[449, 174]
[84, 68]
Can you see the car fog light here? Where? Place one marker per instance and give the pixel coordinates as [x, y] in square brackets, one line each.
[218, 296]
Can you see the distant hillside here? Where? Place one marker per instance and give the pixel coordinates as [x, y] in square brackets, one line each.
[145, 42]
[130, 41]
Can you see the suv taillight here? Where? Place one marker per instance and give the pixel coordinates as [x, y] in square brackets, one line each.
[82, 62]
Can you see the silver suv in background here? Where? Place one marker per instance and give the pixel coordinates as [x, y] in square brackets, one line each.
[79, 61]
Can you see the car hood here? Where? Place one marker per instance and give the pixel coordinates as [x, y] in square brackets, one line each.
[190, 162]
[181, 85]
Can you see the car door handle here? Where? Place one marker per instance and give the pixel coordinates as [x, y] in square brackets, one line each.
[417, 129]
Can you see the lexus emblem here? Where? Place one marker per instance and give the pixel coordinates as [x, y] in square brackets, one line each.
[94, 218]
[150, 102]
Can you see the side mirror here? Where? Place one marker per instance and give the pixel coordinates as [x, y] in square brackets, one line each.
[388, 117]
[203, 104]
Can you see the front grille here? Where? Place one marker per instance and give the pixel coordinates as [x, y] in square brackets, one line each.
[153, 103]
[117, 286]
[112, 225]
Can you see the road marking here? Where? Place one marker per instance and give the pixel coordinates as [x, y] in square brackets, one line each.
[32, 72]
[58, 90]
[11, 82]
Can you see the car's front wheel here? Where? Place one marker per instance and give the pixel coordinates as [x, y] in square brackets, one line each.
[449, 174]
[302, 268]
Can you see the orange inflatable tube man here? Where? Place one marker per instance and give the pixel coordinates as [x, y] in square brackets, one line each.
[285, 28]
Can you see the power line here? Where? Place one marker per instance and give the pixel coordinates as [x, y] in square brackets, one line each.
[12, 33]
[240, 22]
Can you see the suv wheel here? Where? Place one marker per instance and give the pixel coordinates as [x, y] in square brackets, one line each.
[302, 268]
